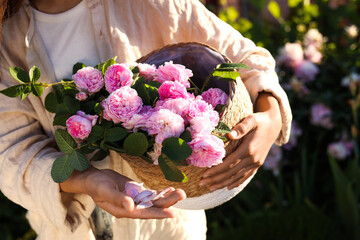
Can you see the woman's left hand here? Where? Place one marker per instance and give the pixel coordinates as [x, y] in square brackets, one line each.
[258, 132]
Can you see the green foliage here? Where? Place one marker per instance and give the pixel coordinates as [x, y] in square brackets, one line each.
[171, 172]
[136, 144]
[309, 192]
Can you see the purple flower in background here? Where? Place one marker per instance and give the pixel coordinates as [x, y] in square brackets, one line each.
[116, 76]
[306, 71]
[291, 55]
[296, 131]
[340, 150]
[273, 159]
[88, 80]
[312, 54]
[321, 116]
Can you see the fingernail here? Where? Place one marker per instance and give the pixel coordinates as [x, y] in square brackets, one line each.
[233, 133]
[202, 183]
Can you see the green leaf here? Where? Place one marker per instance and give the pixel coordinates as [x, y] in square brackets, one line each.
[97, 108]
[222, 128]
[107, 64]
[294, 3]
[19, 74]
[230, 66]
[71, 104]
[34, 74]
[171, 172]
[152, 92]
[78, 161]
[97, 131]
[64, 141]
[99, 155]
[274, 9]
[139, 86]
[37, 89]
[116, 134]
[154, 84]
[86, 150]
[77, 67]
[136, 144]
[186, 136]
[60, 120]
[61, 169]
[346, 199]
[51, 102]
[176, 149]
[14, 91]
[226, 75]
[106, 124]
[219, 108]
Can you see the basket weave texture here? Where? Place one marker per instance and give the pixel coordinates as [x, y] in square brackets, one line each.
[194, 56]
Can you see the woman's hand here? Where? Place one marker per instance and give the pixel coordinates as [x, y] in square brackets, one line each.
[258, 132]
[106, 189]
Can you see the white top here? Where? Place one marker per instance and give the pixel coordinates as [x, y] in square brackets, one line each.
[63, 43]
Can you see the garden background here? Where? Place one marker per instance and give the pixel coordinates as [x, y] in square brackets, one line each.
[310, 187]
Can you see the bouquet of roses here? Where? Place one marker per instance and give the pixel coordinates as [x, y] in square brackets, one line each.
[156, 113]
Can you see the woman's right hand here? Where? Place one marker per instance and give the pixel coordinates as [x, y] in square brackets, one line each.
[106, 189]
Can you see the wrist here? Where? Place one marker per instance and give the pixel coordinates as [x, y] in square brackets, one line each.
[76, 183]
[268, 104]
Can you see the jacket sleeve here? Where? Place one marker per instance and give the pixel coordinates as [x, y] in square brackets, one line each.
[26, 157]
[199, 24]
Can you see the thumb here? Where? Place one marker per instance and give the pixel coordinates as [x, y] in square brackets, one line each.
[244, 127]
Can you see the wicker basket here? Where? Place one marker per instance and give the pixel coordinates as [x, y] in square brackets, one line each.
[201, 59]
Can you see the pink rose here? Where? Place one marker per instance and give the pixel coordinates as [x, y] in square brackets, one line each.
[121, 105]
[313, 37]
[321, 116]
[173, 72]
[88, 79]
[173, 90]
[200, 125]
[179, 106]
[164, 124]
[200, 108]
[81, 96]
[207, 150]
[116, 76]
[273, 159]
[312, 54]
[147, 71]
[79, 126]
[138, 121]
[291, 55]
[306, 71]
[215, 96]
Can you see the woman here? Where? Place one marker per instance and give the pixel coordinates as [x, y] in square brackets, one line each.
[54, 34]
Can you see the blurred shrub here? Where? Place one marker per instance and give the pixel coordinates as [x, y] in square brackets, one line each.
[308, 188]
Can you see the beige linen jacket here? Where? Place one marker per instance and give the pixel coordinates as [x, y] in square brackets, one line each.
[128, 29]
